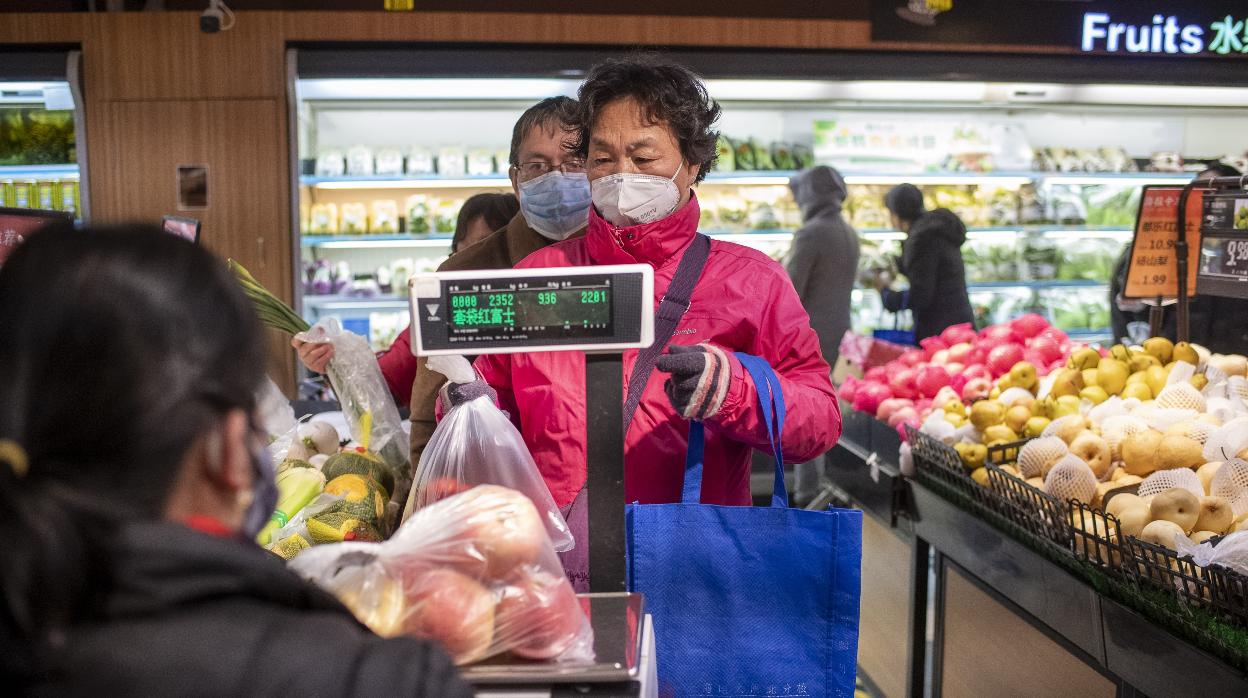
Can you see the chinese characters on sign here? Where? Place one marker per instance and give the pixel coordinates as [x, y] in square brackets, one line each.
[1153, 268]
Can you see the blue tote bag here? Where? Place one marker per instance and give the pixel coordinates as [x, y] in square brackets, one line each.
[749, 601]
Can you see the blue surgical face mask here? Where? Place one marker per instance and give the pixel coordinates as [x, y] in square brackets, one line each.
[264, 491]
[556, 204]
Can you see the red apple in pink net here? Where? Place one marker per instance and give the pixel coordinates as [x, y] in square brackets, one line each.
[869, 396]
[994, 335]
[912, 357]
[538, 615]
[975, 389]
[1047, 347]
[453, 610]
[930, 379]
[876, 374]
[905, 414]
[890, 406]
[1029, 325]
[958, 353]
[954, 369]
[932, 345]
[902, 383]
[847, 388]
[957, 334]
[1003, 358]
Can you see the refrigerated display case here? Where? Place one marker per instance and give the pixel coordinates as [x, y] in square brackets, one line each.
[1046, 175]
[41, 134]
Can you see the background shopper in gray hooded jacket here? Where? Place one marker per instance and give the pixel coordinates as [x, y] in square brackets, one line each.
[824, 260]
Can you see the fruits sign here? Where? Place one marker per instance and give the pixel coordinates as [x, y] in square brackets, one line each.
[1153, 269]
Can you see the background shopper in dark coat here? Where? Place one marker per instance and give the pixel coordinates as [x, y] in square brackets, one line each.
[824, 261]
[931, 259]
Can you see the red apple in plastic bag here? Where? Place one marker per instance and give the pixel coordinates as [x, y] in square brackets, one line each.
[504, 528]
[442, 488]
[453, 610]
[540, 611]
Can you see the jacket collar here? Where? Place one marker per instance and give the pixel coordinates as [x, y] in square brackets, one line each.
[156, 567]
[654, 243]
[522, 240]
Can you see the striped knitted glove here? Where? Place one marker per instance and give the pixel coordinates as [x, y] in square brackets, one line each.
[699, 380]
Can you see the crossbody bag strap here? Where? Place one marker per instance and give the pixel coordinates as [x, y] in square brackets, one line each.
[671, 309]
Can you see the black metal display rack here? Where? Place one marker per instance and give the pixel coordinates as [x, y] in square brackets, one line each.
[1134, 615]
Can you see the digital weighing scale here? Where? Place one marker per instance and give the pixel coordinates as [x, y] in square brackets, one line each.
[602, 311]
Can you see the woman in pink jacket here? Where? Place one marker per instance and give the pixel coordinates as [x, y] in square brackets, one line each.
[648, 138]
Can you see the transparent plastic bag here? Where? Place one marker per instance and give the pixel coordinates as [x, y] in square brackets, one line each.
[273, 411]
[1231, 552]
[474, 572]
[365, 398]
[476, 444]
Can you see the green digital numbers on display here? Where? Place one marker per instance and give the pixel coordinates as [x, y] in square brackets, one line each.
[593, 297]
[547, 298]
[463, 301]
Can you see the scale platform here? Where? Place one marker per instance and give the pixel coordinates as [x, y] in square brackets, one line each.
[623, 666]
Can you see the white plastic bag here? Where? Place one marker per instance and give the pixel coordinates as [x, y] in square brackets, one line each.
[474, 572]
[475, 444]
[1231, 553]
[273, 410]
[365, 398]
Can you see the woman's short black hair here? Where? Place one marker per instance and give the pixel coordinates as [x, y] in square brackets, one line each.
[667, 93]
[497, 209]
[905, 201]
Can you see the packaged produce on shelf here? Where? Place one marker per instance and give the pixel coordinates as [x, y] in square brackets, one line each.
[385, 218]
[1064, 205]
[318, 278]
[763, 216]
[1165, 162]
[446, 216]
[452, 162]
[1112, 207]
[342, 277]
[762, 156]
[323, 219]
[1083, 160]
[474, 572]
[726, 160]
[783, 158]
[1080, 308]
[354, 219]
[389, 162]
[1087, 259]
[991, 259]
[419, 219]
[360, 161]
[363, 286]
[480, 162]
[36, 136]
[401, 270]
[69, 196]
[1041, 257]
[502, 161]
[24, 195]
[384, 328]
[998, 305]
[420, 161]
[743, 154]
[385, 279]
[331, 163]
[1031, 206]
[865, 208]
[476, 444]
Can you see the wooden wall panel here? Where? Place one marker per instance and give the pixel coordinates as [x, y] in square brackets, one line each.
[163, 55]
[137, 147]
[576, 29]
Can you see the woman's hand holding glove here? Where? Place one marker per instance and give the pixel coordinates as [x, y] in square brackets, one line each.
[699, 379]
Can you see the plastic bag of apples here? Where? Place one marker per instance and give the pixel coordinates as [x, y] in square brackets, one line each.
[475, 572]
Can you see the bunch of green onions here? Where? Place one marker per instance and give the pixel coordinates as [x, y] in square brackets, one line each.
[271, 311]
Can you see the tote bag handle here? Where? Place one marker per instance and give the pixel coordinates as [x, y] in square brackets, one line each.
[771, 404]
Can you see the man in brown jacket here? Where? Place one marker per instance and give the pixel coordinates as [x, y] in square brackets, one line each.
[548, 178]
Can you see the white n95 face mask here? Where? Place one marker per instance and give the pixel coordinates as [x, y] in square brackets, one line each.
[627, 198]
[556, 204]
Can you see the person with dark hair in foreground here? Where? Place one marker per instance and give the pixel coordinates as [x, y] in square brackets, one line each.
[931, 259]
[647, 130]
[133, 482]
[480, 216]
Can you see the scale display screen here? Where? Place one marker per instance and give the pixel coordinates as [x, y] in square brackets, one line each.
[588, 308]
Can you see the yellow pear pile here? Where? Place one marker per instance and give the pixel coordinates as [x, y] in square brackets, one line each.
[1157, 518]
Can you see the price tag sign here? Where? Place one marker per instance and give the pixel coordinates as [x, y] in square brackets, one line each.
[1152, 271]
[1223, 269]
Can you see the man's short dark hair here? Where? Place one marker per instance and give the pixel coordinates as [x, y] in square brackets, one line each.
[552, 113]
[667, 93]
